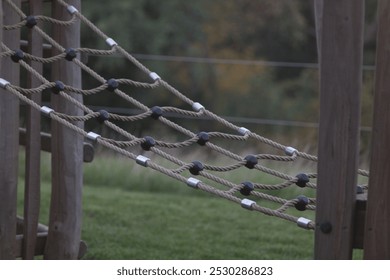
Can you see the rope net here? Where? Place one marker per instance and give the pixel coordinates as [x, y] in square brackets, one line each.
[157, 152]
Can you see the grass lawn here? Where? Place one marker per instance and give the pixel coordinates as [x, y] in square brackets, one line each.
[130, 212]
[136, 225]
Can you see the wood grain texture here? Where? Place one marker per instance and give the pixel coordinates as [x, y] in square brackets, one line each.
[340, 89]
[377, 231]
[9, 123]
[64, 236]
[33, 144]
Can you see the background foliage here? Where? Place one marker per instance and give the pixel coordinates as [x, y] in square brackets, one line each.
[246, 30]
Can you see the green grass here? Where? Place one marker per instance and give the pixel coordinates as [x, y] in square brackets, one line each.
[136, 225]
[130, 212]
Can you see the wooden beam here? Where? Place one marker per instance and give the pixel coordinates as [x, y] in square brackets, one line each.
[20, 226]
[377, 232]
[33, 143]
[9, 123]
[40, 243]
[24, 45]
[41, 240]
[359, 221]
[340, 89]
[88, 148]
[67, 150]
[26, 1]
[47, 50]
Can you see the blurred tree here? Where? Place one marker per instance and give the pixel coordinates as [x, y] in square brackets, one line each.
[148, 27]
[250, 30]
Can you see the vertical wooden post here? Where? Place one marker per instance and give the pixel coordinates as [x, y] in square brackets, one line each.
[33, 145]
[67, 152]
[377, 231]
[318, 10]
[340, 87]
[9, 141]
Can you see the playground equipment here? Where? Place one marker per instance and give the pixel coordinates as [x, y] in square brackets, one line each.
[62, 239]
[339, 223]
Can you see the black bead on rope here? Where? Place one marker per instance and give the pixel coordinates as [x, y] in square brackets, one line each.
[70, 54]
[251, 161]
[31, 21]
[156, 112]
[59, 86]
[112, 84]
[148, 143]
[303, 179]
[196, 167]
[247, 188]
[203, 138]
[302, 202]
[17, 56]
[103, 116]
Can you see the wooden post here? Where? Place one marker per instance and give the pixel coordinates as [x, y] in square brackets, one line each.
[64, 236]
[9, 142]
[340, 88]
[377, 231]
[33, 145]
[318, 10]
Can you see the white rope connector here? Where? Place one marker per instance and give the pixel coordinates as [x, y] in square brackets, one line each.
[142, 160]
[72, 10]
[197, 107]
[193, 183]
[247, 203]
[3, 83]
[46, 110]
[290, 151]
[243, 131]
[154, 76]
[111, 42]
[303, 222]
[92, 136]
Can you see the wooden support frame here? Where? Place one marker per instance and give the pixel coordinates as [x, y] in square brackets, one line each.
[41, 239]
[33, 144]
[64, 236]
[62, 239]
[88, 148]
[340, 88]
[377, 231]
[9, 123]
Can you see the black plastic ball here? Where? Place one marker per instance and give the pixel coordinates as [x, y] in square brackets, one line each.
[251, 161]
[148, 143]
[247, 188]
[302, 180]
[196, 167]
[303, 201]
[58, 87]
[203, 138]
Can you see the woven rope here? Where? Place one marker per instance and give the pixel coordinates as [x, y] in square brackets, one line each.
[225, 188]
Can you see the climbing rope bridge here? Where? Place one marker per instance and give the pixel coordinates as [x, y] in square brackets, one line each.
[196, 174]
